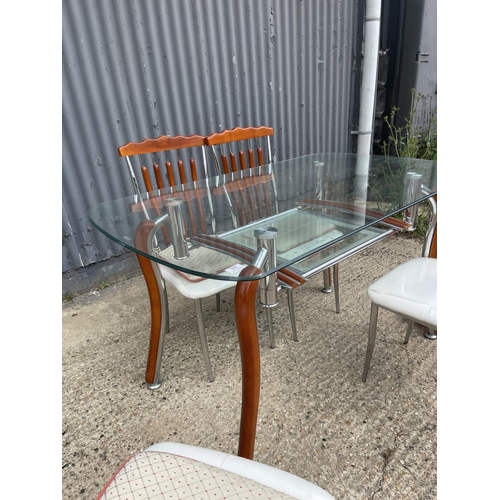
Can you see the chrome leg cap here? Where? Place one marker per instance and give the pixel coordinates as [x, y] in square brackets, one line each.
[153, 386]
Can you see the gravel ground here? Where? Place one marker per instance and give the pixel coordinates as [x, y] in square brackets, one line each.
[373, 440]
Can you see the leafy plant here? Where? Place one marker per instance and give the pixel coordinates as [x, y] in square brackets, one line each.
[414, 140]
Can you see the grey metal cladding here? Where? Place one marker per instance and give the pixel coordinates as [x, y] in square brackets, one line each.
[135, 69]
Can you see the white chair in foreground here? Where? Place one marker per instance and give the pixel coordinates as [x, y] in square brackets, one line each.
[174, 470]
[409, 290]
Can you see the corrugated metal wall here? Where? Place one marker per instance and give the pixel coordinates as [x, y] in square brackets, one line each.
[136, 69]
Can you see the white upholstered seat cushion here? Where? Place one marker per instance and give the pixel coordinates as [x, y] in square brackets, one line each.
[410, 289]
[194, 289]
[174, 470]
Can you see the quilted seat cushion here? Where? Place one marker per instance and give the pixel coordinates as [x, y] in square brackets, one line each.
[159, 475]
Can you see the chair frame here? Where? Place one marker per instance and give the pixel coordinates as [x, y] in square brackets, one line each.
[429, 250]
[160, 320]
[156, 284]
[236, 136]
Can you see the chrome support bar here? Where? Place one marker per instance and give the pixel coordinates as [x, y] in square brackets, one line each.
[319, 176]
[261, 260]
[348, 253]
[412, 192]
[260, 257]
[176, 229]
[268, 286]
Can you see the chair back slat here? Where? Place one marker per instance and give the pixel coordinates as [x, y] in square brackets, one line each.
[225, 166]
[251, 162]
[182, 172]
[158, 177]
[234, 167]
[170, 173]
[260, 157]
[194, 174]
[147, 179]
[242, 160]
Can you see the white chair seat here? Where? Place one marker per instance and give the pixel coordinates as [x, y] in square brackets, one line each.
[410, 290]
[193, 289]
[182, 471]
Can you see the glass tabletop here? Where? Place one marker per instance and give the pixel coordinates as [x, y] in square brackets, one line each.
[319, 208]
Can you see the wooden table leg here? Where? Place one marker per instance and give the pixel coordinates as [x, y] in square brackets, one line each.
[246, 325]
[153, 365]
[433, 251]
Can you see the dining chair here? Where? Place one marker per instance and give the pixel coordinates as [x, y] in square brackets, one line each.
[240, 149]
[410, 290]
[174, 153]
[152, 154]
[243, 148]
[175, 470]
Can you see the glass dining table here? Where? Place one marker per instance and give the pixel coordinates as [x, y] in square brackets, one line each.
[302, 216]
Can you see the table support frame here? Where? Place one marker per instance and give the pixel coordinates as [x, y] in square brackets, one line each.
[246, 325]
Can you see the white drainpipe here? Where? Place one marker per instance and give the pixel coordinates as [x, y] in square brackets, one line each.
[369, 67]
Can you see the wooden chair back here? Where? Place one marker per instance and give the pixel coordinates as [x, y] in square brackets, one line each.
[230, 147]
[150, 153]
[166, 157]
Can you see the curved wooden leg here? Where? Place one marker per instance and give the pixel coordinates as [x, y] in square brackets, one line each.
[433, 254]
[433, 251]
[156, 336]
[246, 325]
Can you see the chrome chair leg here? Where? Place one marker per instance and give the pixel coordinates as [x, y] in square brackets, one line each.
[330, 284]
[431, 335]
[327, 280]
[269, 314]
[411, 323]
[165, 311]
[291, 308]
[371, 339]
[203, 339]
[336, 287]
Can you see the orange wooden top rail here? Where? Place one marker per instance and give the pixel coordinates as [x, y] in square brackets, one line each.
[237, 134]
[162, 143]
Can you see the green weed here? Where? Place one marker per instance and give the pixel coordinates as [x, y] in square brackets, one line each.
[414, 140]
